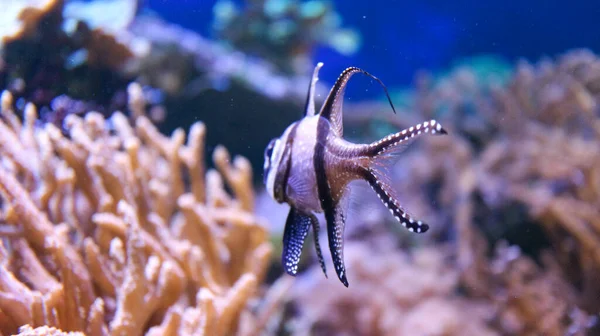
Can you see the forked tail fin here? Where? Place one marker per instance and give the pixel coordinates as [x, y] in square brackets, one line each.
[379, 151]
[385, 194]
[395, 143]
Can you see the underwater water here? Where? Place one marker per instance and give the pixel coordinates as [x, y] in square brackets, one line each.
[299, 167]
[401, 37]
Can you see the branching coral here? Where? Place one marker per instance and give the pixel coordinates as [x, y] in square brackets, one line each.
[398, 294]
[197, 73]
[529, 175]
[116, 229]
[45, 331]
[532, 300]
[70, 57]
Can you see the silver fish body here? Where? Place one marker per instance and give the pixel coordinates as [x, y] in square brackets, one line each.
[310, 166]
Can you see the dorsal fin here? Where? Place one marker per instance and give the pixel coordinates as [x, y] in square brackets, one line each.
[332, 108]
[310, 98]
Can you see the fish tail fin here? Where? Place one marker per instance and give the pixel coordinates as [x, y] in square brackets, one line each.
[378, 183]
[395, 143]
[386, 149]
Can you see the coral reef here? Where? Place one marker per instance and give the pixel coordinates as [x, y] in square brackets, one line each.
[50, 52]
[188, 63]
[116, 229]
[528, 176]
[393, 295]
[46, 331]
[201, 75]
[70, 57]
[515, 189]
[283, 31]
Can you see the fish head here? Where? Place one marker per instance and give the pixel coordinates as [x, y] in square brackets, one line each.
[278, 160]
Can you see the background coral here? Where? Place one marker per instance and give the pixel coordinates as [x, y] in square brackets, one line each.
[70, 57]
[233, 93]
[283, 31]
[116, 229]
[50, 54]
[393, 293]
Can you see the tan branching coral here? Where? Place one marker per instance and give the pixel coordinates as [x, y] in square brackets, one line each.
[537, 147]
[398, 294]
[45, 331]
[531, 300]
[116, 229]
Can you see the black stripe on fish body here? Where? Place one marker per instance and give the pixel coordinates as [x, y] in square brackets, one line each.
[282, 177]
[333, 212]
[383, 192]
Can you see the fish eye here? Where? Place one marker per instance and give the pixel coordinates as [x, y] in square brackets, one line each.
[269, 149]
[267, 164]
[269, 152]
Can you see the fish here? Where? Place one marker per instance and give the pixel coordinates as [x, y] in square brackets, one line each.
[311, 165]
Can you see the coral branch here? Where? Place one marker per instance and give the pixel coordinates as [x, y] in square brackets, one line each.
[110, 239]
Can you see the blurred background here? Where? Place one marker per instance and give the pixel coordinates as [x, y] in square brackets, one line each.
[512, 194]
[398, 38]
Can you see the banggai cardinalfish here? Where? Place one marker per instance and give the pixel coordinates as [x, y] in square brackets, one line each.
[310, 167]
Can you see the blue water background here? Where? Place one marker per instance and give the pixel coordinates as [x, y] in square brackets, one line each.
[401, 37]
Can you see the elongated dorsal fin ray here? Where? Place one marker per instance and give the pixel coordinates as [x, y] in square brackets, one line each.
[332, 108]
[310, 98]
